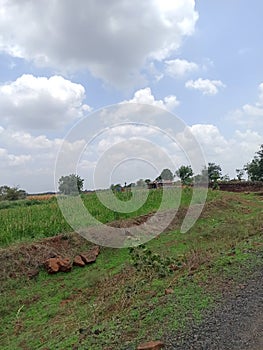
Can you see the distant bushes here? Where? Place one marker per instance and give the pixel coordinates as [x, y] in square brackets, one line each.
[11, 193]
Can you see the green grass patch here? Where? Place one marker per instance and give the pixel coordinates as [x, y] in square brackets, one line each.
[113, 305]
[27, 220]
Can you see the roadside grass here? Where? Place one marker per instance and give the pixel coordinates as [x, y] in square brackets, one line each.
[26, 220]
[111, 305]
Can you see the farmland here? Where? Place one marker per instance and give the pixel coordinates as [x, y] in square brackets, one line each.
[37, 218]
[121, 300]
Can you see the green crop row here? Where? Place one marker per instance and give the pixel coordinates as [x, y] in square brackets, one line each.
[23, 222]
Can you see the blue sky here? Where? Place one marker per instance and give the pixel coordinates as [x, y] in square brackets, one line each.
[62, 61]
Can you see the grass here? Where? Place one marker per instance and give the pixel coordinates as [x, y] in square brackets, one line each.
[33, 219]
[111, 305]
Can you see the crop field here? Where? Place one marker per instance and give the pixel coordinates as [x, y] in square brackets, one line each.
[38, 217]
[128, 296]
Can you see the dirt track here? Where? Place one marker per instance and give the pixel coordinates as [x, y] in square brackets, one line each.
[236, 323]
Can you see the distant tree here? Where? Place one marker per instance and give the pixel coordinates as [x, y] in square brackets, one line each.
[140, 183]
[254, 169]
[130, 185]
[147, 181]
[214, 173]
[225, 177]
[201, 178]
[240, 174]
[116, 188]
[11, 193]
[185, 173]
[166, 174]
[70, 184]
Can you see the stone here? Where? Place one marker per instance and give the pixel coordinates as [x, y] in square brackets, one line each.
[65, 302]
[96, 250]
[51, 265]
[78, 261]
[168, 291]
[32, 273]
[54, 265]
[152, 345]
[90, 256]
[65, 264]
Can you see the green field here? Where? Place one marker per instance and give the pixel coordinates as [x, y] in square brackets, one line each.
[120, 301]
[29, 219]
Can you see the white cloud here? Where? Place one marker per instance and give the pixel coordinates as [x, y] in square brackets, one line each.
[30, 160]
[12, 160]
[206, 86]
[41, 103]
[112, 39]
[210, 138]
[178, 68]
[230, 153]
[250, 115]
[145, 96]
[253, 110]
[257, 109]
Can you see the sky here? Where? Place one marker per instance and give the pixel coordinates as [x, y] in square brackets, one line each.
[63, 62]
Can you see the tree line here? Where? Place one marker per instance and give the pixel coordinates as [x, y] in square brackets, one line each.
[73, 184]
[212, 173]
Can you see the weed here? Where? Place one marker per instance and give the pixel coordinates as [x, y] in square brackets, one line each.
[146, 261]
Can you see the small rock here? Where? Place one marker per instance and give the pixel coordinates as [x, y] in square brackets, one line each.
[168, 291]
[90, 256]
[51, 265]
[65, 302]
[33, 273]
[78, 261]
[152, 345]
[96, 250]
[64, 264]
[54, 265]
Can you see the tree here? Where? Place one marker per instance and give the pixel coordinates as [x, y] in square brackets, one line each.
[201, 178]
[225, 177]
[116, 188]
[166, 174]
[185, 173]
[254, 169]
[214, 172]
[11, 193]
[70, 184]
[240, 174]
[141, 183]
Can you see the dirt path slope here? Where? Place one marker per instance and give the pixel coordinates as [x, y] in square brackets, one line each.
[236, 324]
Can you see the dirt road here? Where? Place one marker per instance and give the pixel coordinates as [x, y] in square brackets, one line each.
[236, 323]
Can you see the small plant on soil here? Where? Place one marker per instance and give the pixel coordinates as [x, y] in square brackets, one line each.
[145, 261]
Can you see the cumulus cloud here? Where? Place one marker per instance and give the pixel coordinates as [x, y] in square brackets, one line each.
[257, 109]
[250, 115]
[178, 68]
[206, 86]
[12, 160]
[210, 138]
[33, 158]
[41, 103]
[145, 96]
[112, 39]
[231, 153]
